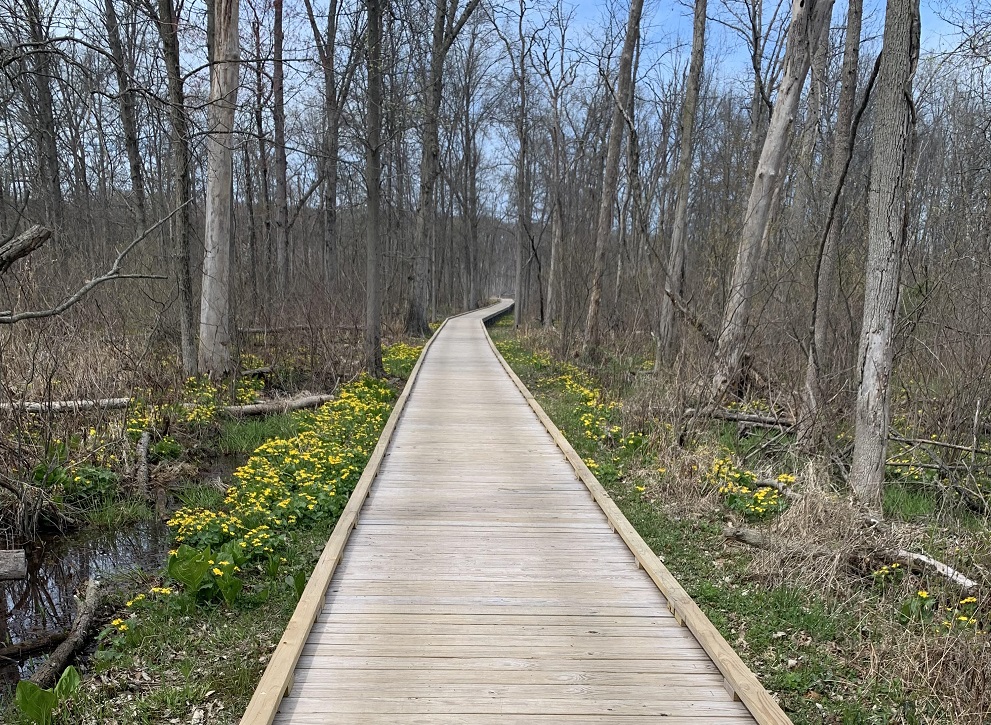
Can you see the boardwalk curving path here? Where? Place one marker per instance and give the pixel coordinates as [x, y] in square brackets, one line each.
[482, 584]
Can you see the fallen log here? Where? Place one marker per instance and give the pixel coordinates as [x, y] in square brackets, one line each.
[66, 406]
[46, 675]
[910, 559]
[921, 561]
[782, 422]
[13, 565]
[74, 406]
[23, 650]
[271, 407]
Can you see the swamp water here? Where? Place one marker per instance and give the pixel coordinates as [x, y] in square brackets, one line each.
[58, 568]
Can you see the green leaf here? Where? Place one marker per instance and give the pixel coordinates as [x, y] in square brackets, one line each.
[37, 704]
[68, 683]
[190, 567]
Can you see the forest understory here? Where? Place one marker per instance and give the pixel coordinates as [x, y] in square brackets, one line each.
[820, 599]
[244, 488]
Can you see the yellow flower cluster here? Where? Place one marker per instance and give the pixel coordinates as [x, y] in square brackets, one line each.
[295, 480]
[742, 492]
[398, 359]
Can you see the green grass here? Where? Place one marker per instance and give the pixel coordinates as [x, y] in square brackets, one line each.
[119, 513]
[244, 435]
[908, 503]
[200, 495]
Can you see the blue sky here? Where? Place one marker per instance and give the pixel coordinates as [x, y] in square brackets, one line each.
[668, 21]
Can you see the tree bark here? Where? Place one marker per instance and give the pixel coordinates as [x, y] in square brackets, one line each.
[675, 272]
[610, 178]
[810, 419]
[128, 112]
[215, 310]
[22, 245]
[887, 193]
[807, 20]
[46, 675]
[373, 180]
[181, 223]
[280, 232]
[51, 181]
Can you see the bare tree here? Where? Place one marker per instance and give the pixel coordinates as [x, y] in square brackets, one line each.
[610, 178]
[808, 18]
[675, 271]
[215, 310]
[810, 421]
[181, 227]
[128, 111]
[280, 236]
[447, 23]
[373, 180]
[336, 88]
[891, 181]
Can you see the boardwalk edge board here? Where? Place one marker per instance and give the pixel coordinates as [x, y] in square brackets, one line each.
[739, 681]
[277, 679]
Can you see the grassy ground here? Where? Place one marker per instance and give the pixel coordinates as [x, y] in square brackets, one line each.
[836, 642]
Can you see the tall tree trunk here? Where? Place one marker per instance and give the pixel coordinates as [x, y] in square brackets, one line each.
[51, 181]
[807, 19]
[280, 235]
[215, 301]
[264, 198]
[810, 420]
[373, 180]
[610, 179]
[891, 178]
[675, 272]
[128, 113]
[181, 224]
[445, 30]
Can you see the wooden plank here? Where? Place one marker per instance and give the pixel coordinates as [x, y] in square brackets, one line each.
[304, 718]
[372, 703]
[361, 661]
[383, 678]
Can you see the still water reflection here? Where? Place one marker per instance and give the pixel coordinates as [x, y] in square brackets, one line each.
[60, 567]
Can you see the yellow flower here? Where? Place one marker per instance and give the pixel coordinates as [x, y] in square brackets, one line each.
[923, 594]
[217, 572]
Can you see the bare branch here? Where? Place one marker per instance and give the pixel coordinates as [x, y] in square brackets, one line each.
[8, 317]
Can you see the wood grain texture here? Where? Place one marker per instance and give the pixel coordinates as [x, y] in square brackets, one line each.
[483, 584]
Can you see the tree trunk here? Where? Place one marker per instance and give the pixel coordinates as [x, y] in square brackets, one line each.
[610, 178]
[215, 307]
[373, 179]
[128, 113]
[674, 274]
[445, 30]
[807, 19]
[181, 224]
[43, 73]
[810, 420]
[891, 172]
[280, 234]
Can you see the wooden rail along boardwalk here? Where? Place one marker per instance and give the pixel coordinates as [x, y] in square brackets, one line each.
[482, 584]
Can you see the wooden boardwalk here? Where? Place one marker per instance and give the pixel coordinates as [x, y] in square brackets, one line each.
[482, 584]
